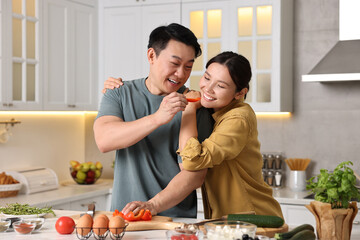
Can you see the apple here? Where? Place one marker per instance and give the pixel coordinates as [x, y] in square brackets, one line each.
[80, 175]
[98, 165]
[73, 163]
[92, 166]
[97, 173]
[89, 180]
[91, 174]
[73, 174]
[77, 167]
[85, 167]
[79, 181]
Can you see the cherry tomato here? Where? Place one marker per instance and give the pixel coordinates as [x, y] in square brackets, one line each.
[193, 237]
[185, 237]
[175, 238]
[65, 225]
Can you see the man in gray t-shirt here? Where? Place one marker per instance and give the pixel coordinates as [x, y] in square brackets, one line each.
[141, 121]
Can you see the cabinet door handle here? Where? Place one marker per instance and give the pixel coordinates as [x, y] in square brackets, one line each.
[5, 104]
[10, 104]
[71, 105]
[356, 223]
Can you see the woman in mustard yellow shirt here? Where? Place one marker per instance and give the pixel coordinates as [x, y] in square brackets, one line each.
[234, 181]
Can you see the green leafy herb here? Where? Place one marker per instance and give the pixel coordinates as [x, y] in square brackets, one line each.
[337, 187]
[24, 209]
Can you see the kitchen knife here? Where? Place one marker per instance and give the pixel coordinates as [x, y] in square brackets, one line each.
[90, 211]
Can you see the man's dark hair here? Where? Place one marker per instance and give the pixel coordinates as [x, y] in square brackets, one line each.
[160, 37]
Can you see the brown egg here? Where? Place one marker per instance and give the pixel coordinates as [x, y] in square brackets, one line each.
[116, 224]
[83, 227]
[101, 225]
[103, 216]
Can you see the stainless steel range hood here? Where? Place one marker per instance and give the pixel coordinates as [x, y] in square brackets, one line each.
[342, 62]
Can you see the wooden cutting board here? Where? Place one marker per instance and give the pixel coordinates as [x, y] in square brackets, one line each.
[270, 232]
[166, 223]
[156, 223]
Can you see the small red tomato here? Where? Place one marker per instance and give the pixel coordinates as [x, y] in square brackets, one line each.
[65, 225]
[193, 237]
[185, 237]
[175, 238]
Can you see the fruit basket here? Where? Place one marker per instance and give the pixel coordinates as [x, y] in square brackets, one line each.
[86, 173]
[9, 190]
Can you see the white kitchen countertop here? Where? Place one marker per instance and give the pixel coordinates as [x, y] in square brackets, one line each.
[48, 230]
[67, 191]
[287, 196]
[70, 191]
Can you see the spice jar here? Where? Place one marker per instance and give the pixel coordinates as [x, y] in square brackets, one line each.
[270, 178]
[278, 161]
[264, 174]
[278, 179]
[270, 161]
[264, 161]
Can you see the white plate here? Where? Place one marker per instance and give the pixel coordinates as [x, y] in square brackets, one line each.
[25, 216]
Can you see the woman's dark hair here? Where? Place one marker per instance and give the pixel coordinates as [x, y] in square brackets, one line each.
[160, 37]
[238, 67]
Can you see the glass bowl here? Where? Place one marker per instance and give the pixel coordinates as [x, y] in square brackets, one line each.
[4, 225]
[24, 228]
[38, 221]
[85, 176]
[228, 230]
[179, 234]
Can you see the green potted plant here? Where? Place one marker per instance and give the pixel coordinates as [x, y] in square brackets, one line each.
[333, 207]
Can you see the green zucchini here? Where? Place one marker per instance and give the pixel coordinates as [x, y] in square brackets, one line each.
[259, 220]
[287, 235]
[304, 235]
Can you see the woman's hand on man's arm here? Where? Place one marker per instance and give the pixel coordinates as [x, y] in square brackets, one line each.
[112, 83]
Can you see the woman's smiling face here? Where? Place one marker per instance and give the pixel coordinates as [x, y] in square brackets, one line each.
[217, 87]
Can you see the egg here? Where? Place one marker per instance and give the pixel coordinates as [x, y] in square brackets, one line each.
[101, 225]
[83, 227]
[103, 216]
[116, 224]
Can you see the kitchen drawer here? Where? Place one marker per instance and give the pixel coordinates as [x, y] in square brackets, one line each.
[296, 215]
[63, 206]
[81, 205]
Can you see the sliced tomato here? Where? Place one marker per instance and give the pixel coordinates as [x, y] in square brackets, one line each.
[193, 99]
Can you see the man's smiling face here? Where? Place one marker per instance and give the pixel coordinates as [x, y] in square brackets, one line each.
[171, 69]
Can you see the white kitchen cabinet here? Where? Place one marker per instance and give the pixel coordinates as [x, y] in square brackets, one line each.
[48, 55]
[296, 215]
[122, 3]
[101, 204]
[70, 62]
[125, 35]
[261, 30]
[20, 68]
[63, 206]
[2, 98]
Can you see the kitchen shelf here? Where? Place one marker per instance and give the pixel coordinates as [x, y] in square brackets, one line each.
[11, 122]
